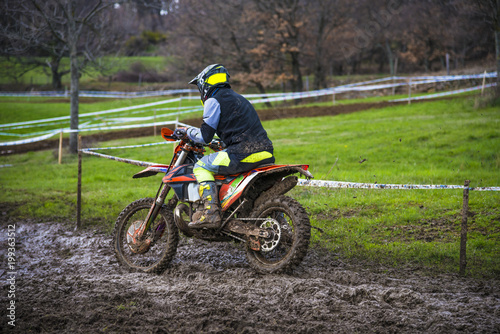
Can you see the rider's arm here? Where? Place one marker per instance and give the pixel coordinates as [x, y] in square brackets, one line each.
[211, 117]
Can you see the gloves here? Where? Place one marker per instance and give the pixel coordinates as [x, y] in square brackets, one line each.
[181, 133]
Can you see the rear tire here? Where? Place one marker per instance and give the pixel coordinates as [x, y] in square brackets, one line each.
[291, 233]
[163, 233]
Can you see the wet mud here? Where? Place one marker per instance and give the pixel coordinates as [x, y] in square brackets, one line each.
[69, 281]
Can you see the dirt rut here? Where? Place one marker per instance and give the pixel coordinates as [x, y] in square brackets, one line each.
[70, 282]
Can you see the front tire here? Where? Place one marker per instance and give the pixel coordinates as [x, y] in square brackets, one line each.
[162, 238]
[291, 230]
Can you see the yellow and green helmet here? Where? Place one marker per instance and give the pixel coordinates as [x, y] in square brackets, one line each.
[213, 76]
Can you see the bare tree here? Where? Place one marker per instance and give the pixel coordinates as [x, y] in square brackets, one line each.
[324, 22]
[489, 11]
[76, 28]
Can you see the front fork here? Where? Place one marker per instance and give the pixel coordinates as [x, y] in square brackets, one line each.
[155, 208]
[161, 195]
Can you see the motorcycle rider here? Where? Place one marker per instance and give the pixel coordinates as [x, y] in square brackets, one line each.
[234, 120]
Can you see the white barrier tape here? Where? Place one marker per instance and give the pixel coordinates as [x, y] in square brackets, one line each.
[122, 127]
[130, 146]
[103, 112]
[336, 90]
[55, 132]
[129, 161]
[137, 119]
[458, 91]
[354, 87]
[305, 182]
[112, 94]
[361, 86]
[489, 75]
[106, 94]
[28, 141]
[352, 185]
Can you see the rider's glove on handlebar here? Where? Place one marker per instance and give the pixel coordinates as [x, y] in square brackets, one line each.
[181, 133]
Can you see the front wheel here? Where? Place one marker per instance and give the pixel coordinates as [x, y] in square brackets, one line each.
[289, 232]
[153, 252]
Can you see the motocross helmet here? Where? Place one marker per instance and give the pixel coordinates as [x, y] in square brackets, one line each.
[212, 77]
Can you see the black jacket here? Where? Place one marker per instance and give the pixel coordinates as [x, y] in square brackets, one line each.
[239, 125]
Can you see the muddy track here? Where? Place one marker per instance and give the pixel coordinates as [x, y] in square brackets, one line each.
[70, 282]
[265, 115]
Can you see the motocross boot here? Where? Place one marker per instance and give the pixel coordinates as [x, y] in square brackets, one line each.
[210, 216]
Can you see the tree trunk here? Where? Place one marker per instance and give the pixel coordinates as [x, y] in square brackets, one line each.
[297, 85]
[75, 73]
[390, 56]
[262, 90]
[56, 76]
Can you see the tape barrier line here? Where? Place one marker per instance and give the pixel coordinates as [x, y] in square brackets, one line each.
[354, 185]
[129, 161]
[118, 94]
[130, 146]
[458, 91]
[361, 86]
[103, 112]
[106, 94]
[31, 140]
[427, 79]
[304, 182]
[55, 132]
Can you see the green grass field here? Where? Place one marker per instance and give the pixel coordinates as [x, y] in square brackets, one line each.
[442, 142]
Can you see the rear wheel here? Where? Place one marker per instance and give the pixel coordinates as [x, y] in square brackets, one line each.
[153, 252]
[289, 232]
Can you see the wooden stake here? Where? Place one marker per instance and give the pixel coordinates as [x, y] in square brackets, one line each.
[484, 82]
[154, 131]
[394, 75]
[409, 91]
[60, 147]
[79, 190]
[463, 234]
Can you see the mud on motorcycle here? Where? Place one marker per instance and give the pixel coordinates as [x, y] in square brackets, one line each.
[275, 228]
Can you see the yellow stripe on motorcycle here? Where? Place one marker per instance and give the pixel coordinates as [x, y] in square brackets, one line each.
[256, 157]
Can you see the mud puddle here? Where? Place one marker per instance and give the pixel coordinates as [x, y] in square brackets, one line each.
[70, 282]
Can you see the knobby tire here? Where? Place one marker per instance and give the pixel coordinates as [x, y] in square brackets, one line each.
[294, 244]
[167, 243]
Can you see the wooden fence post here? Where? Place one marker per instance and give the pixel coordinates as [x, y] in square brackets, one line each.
[79, 191]
[463, 234]
[484, 82]
[154, 127]
[60, 147]
[409, 91]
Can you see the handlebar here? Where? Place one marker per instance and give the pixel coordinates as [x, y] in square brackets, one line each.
[180, 134]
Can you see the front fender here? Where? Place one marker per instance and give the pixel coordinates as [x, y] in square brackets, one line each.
[152, 170]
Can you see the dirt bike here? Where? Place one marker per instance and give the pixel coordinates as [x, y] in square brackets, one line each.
[275, 228]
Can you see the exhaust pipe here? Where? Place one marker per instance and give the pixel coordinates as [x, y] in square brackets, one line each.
[182, 225]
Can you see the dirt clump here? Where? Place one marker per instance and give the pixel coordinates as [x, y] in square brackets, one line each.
[69, 281]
